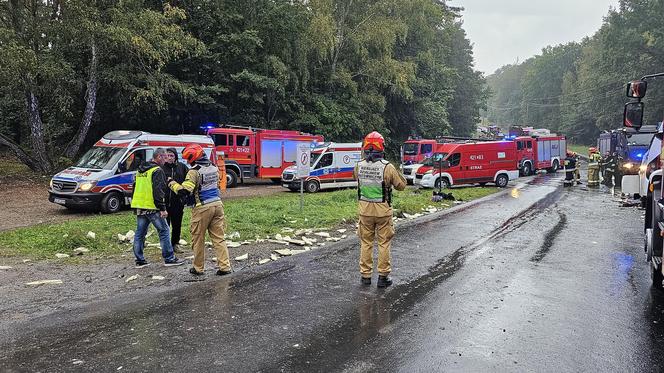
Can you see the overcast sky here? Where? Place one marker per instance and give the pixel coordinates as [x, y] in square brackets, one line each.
[504, 30]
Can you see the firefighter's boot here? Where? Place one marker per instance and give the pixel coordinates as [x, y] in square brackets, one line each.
[366, 280]
[384, 281]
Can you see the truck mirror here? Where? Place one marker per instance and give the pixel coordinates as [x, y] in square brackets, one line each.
[637, 89]
[633, 115]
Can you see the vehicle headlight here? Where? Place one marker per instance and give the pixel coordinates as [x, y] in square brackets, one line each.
[50, 184]
[628, 165]
[643, 168]
[86, 186]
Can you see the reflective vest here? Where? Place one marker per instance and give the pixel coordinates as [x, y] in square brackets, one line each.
[143, 198]
[595, 158]
[208, 189]
[371, 181]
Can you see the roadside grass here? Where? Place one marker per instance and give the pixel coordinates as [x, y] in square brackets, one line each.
[579, 149]
[251, 217]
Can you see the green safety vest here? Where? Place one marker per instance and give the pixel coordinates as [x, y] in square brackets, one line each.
[371, 180]
[143, 198]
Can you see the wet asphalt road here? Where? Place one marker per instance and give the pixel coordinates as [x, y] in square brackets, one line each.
[539, 278]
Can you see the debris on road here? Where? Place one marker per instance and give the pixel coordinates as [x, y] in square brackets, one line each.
[322, 234]
[5, 267]
[155, 277]
[92, 235]
[81, 250]
[44, 282]
[132, 278]
[263, 261]
[233, 244]
[61, 256]
[284, 252]
[242, 257]
[182, 242]
[342, 230]
[274, 257]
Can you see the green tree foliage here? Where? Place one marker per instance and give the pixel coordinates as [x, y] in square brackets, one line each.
[578, 88]
[74, 69]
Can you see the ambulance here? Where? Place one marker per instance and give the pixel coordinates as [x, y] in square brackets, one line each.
[332, 166]
[470, 163]
[103, 178]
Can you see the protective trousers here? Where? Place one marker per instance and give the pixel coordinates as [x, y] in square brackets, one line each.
[593, 174]
[209, 218]
[371, 227]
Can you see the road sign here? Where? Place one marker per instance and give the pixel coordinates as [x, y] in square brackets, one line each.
[303, 160]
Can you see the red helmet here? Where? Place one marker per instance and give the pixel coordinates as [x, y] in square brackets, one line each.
[192, 153]
[374, 141]
[592, 150]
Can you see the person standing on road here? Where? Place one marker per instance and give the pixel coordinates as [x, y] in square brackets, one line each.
[593, 166]
[149, 201]
[177, 171]
[376, 177]
[201, 186]
[610, 165]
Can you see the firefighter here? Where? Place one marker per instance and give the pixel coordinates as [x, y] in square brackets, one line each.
[376, 177]
[570, 167]
[577, 168]
[201, 186]
[610, 164]
[593, 166]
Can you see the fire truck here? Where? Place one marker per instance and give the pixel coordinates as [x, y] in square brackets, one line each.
[654, 202]
[254, 152]
[415, 150]
[540, 153]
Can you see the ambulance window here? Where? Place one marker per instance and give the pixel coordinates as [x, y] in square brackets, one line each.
[242, 140]
[455, 159]
[132, 162]
[529, 144]
[325, 161]
[519, 145]
[221, 140]
[426, 148]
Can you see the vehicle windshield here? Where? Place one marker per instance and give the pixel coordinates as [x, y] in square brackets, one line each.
[436, 157]
[314, 159]
[101, 158]
[410, 148]
[639, 139]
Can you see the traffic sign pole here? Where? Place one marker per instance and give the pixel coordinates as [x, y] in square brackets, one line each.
[303, 168]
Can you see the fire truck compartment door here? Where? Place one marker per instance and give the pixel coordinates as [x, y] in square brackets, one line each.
[630, 184]
[271, 153]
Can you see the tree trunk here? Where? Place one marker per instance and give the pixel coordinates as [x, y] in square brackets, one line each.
[21, 154]
[37, 132]
[90, 102]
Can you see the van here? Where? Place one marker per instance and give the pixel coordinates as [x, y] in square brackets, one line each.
[103, 177]
[471, 163]
[332, 166]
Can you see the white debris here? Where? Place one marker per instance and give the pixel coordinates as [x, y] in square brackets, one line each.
[321, 244]
[65, 235]
[208, 243]
[234, 235]
[322, 234]
[132, 278]
[5, 267]
[26, 260]
[61, 256]
[333, 239]
[342, 230]
[284, 252]
[44, 282]
[122, 237]
[233, 244]
[159, 278]
[130, 235]
[190, 257]
[152, 245]
[242, 257]
[183, 242]
[92, 235]
[245, 242]
[81, 250]
[295, 252]
[297, 242]
[287, 230]
[279, 242]
[307, 241]
[149, 233]
[292, 221]
[301, 232]
[344, 236]
[458, 202]
[263, 261]
[77, 362]
[278, 237]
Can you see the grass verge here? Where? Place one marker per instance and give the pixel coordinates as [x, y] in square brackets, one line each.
[252, 217]
[579, 149]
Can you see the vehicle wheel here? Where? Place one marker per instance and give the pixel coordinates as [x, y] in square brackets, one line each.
[276, 180]
[312, 186]
[482, 184]
[656, 275]
[231, 178]
[554, 167]
[502, 180]
[111, 203]
[409, 182]
[527, 169]
[444, 181]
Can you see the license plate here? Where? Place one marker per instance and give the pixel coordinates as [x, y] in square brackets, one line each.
[59, 201]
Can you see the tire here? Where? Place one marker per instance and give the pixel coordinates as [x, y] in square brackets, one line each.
[111, 203]
[656, 275]
[231, 178]
[446, 183]
[482, 184]
[502, 180]
[554, 167]
[276, 180]
[409, 182]
[527, 169]
[312, 186]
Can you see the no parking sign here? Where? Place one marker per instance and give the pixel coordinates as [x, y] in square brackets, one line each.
[303, 160]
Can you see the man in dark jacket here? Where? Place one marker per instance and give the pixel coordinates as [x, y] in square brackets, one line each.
[177, 171]
[149, 201]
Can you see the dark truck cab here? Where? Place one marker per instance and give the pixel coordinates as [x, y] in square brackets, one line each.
[630, 145]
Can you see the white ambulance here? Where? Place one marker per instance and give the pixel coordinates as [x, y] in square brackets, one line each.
[103, 178]
[332, 166]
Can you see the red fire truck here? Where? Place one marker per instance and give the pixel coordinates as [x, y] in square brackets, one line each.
[415, 150]
[540, 153]
[254, 152]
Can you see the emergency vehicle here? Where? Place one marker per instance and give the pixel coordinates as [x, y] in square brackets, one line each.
[332, 166]
[253, 152]
[103, 178]
[540, 153]
[415, 150]
[470, 163]
[410, 171]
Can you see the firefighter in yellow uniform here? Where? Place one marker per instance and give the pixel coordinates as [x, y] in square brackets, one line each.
[201, 185]
[594, 159]
[376, 177]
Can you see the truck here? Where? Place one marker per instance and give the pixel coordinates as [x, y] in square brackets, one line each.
[415, 150]
[257, 153]
[103, 177]
[471, 163]
[540, 153]
[629, 145]
[654, 201]
[332, 166]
